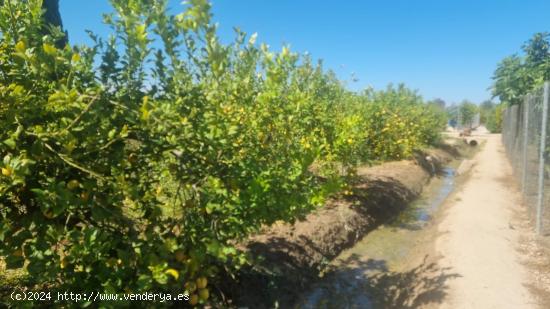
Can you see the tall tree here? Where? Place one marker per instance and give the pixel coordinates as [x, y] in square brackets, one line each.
[511, 80]
[517, 75]
[52, 19]
[537, 49]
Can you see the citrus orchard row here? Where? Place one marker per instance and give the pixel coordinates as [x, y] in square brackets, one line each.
[139, 162]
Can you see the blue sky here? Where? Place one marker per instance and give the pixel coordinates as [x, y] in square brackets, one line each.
[444, 48]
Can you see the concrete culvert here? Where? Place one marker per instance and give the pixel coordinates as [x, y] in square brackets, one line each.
[473, 143]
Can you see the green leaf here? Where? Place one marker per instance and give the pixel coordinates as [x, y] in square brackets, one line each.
[10, 143]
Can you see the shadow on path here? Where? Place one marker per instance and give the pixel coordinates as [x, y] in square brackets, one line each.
[360, 283]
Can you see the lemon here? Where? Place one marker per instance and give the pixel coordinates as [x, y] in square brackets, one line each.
[204, 294]
[6, 171]
[64, 263]
[190, 287]
[48, 214]
[73, 184]
[202, 282]
[20, 47]
[194, 299]
[132, 158]
[75, 57]
[49, 49]
[85, 196]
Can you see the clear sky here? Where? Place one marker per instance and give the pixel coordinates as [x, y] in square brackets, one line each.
[444, 48]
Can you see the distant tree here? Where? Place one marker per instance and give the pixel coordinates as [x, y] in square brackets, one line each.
[467, 111]
[452, 114]
[490, 115]
[487, 104]
[438, 102]
[438, 105]
[486, 109]
[494, 123]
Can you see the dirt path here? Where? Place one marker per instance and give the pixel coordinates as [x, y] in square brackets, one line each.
[479, 239]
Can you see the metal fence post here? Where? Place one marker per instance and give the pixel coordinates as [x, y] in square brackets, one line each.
[525, 136]
[540, 199]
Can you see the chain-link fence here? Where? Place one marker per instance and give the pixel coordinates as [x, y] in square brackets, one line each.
[526, 137]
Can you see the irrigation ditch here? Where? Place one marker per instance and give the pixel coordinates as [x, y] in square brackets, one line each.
[292, 258]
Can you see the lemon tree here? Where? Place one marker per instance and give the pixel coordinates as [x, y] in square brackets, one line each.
[139, 162]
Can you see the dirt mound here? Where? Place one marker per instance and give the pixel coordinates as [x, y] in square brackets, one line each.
[291, 256]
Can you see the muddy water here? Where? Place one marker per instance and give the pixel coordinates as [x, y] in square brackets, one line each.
[370, 274]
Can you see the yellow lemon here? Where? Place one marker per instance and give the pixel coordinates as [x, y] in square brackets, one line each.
[6, 171]
[202, 282]
[20, 47]
[204, 294]
[75, 57]
[49, 49]
[194, 299]
[73, 184]
[64, 263]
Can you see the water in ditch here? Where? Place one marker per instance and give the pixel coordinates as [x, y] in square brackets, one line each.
[372, 273]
